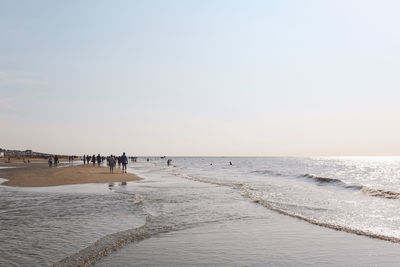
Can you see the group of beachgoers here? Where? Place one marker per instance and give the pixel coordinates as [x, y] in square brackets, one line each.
[112, 160]
[53, 161]
[93, 159]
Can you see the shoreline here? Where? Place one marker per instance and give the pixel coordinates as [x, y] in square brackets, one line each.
[42, 176]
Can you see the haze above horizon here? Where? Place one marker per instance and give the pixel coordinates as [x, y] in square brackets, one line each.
[189, 78]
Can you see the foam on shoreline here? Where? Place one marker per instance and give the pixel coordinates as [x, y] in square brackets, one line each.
[3, 180]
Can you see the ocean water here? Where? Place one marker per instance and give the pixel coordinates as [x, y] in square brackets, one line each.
[203, 211]
[358, 195]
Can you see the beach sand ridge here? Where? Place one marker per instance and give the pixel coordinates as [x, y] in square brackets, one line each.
[37, 176]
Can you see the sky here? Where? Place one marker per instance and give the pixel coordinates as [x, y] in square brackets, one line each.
[201, 78]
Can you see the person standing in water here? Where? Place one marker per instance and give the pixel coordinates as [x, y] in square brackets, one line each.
[124, 161]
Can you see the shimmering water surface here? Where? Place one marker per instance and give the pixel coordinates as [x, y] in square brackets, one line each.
[256, 211]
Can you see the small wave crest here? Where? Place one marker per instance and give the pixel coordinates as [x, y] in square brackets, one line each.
[268, 172]
[181, 174]
[364, 189]
[332, 181]
[380, 193]
[112, 242]
[138, 197]
[106, 245]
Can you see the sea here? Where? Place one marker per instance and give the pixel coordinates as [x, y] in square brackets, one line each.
[212, 211]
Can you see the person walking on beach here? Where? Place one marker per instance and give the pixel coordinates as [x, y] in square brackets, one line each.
[94, 160]
[88, 159]
[98, 160]
[84, 159]
[50, 161]
[111, 163]
[56, 160]
[124, 161]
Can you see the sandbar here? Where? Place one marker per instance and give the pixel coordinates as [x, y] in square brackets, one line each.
[38, 176]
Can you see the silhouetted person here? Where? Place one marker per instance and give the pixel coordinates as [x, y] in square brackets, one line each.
[50, 161]
[94, 160]
[111, 163]
[119, 161]
[98, 160]
[84, 159]
[124, 161]
[230, 163]
[56, 160]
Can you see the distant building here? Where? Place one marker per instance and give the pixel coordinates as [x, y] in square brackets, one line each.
[28, 152]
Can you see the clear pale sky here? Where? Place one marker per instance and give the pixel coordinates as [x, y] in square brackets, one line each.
[216, 78]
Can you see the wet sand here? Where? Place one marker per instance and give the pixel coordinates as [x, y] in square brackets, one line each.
[273, 240]
[39, 174]
[21, 160]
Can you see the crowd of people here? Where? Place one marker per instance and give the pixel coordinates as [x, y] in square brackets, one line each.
[112, 160]
[53, 160]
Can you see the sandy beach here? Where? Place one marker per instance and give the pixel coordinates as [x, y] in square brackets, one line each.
[39, 174]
